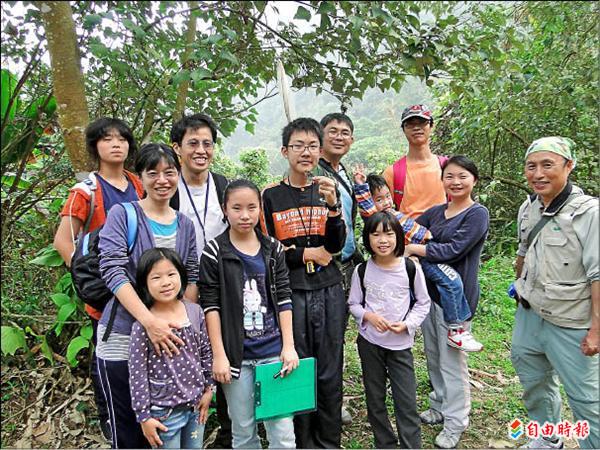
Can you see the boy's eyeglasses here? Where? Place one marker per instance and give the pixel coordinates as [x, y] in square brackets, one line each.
[299, 148]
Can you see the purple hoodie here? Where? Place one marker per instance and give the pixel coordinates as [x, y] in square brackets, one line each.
[118, 266]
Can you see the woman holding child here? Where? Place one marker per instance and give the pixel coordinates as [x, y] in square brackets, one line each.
[459, 230]
[158, 225]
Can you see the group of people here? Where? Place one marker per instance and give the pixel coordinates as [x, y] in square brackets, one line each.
[221, 277]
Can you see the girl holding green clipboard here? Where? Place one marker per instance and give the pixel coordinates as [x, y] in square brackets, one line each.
[245, 294]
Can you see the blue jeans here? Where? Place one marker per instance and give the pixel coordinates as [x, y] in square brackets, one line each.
[184, 429]
[240, 401]
[452, 295]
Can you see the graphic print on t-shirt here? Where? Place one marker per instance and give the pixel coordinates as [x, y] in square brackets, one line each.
[388, 300]
[254, 310]
[289, 224]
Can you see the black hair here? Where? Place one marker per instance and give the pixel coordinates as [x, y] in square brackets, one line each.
[375, 182]
[147, 261]
[338, 117]
[389, 222]
[240, 184]
[301, 124]
[465, 163]
[100, 128]
[151, 154]
[193, 122]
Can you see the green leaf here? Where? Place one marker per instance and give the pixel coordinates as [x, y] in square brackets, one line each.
[231, 34]
[75, 346]
[46, 350]
[226, 54]
[48, 257]
[214, 38]
[302, 14]
[326, 8]
[98, 49]
[8, 84]
[91, 20]
[65, 284]
[249, 128]
[65, 312]
[9, 180]
[201, 74]
[12, 340]
[181, 76]
[356, 22]
[120, 67]
[60, 299]
[414, 21]
[87, 331]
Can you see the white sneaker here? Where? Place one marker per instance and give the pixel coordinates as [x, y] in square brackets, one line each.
[431, 417]
[447, 439]
[543, 443]
[463, 340]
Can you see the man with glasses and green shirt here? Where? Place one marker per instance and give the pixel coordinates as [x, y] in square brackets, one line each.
[338, 137]
[199, 196]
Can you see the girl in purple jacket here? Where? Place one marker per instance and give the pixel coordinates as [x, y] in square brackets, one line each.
[170, 395]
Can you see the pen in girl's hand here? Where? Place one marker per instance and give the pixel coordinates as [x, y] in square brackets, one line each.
[280, 373]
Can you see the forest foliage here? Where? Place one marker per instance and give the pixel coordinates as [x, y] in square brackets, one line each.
[499, 75]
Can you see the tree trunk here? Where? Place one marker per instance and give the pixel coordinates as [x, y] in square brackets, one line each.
[67, 76]
[182, 90]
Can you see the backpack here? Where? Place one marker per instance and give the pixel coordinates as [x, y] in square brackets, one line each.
[411, 270]
[85, 264]
[400, 178]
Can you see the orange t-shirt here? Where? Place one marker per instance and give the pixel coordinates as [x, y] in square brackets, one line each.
[423, 187]
[78, 205]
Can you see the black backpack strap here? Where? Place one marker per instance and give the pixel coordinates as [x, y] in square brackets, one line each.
[411, 270]
[174, 202]
[111, 321]
[220, 184]
[362, 268]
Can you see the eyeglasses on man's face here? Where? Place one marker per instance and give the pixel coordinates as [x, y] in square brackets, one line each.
[196, 144]
[334, 132]
[300, 148]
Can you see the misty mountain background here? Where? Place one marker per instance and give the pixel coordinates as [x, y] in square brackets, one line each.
[377, 133]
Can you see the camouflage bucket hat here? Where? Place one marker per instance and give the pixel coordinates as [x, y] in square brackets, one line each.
[562, 146]
[422, 111]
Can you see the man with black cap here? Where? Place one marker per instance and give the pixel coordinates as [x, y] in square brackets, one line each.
[415, 180]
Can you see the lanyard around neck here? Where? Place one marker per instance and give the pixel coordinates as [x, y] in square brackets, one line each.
[297, 201]
[187, 189]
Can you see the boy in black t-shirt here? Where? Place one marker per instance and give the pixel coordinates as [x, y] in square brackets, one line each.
[304, 213]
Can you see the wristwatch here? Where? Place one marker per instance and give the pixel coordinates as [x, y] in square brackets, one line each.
[335, 207]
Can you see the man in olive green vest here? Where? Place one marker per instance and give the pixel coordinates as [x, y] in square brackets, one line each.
[557, 323]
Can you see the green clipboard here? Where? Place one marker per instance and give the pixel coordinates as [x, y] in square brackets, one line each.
[283, 397]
